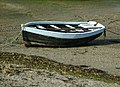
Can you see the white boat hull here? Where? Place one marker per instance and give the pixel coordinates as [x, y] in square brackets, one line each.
[31, 34]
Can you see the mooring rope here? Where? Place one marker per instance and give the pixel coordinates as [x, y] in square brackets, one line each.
[17, 36]
[113, 32]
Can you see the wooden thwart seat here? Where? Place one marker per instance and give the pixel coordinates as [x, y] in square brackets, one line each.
[56, 27]
[41, 27]
[69, 26]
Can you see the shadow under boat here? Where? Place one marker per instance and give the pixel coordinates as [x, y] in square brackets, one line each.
[104, 42]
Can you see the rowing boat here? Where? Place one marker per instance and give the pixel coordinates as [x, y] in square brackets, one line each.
[59, 33]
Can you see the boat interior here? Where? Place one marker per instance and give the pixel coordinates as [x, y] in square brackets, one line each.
[63, 28]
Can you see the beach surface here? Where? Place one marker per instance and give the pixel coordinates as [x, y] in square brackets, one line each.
[103, 54]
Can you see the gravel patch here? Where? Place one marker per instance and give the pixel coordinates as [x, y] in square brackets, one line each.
[44, 78]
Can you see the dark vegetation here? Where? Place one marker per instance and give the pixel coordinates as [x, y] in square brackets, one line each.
[37, 62]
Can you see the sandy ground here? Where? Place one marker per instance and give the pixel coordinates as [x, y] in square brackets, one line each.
[43, 78]
[106, 58]
[101, 54]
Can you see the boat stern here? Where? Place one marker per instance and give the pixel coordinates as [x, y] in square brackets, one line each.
[24, 33]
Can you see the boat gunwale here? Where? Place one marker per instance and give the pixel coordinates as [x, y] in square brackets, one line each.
[54, 22]
[62, 30]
